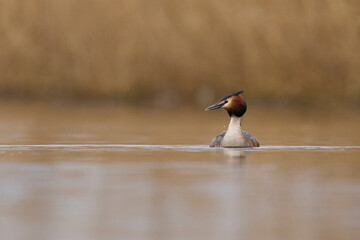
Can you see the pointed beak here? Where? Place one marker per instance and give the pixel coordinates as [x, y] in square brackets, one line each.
[215, 106]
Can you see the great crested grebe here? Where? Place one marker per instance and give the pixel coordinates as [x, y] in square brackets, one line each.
[235, 105]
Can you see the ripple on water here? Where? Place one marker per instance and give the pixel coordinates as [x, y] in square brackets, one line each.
[183, 148]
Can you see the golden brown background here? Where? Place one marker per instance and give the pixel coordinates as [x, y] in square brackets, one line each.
[79, 161]
[167, 52]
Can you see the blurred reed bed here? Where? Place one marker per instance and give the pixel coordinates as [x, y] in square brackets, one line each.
[182, 52]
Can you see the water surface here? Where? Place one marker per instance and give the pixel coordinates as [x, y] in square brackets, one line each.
[114, 173]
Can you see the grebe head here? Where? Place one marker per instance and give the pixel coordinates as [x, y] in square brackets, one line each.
[233, 103]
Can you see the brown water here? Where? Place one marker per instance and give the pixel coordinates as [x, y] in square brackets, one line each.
[114, 173]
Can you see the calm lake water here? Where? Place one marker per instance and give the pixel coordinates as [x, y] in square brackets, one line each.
[81, 172]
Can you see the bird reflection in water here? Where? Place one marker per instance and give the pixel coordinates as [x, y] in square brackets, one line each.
[234, 155]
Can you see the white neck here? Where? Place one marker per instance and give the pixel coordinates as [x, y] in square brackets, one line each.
[235, 123]
[234, 136]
